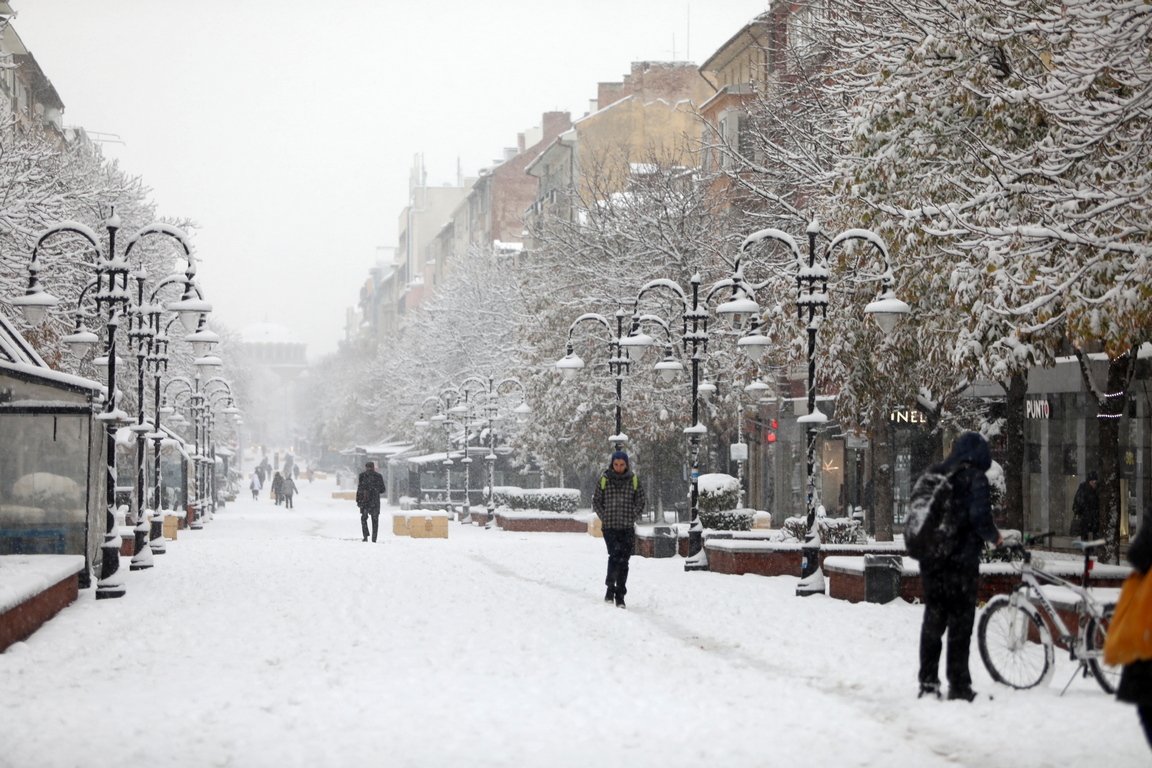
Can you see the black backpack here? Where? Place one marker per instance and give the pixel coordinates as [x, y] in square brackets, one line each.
[932, 527]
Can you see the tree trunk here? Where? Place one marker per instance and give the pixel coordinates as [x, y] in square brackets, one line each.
[1111, 411]
[1015, 447]
[1111, 404]
[882, 472]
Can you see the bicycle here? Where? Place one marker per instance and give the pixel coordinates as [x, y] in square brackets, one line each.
[1016, 643]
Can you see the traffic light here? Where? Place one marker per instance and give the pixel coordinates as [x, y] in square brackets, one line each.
[771, 436]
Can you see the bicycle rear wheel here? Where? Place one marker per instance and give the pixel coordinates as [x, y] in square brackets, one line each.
[1095, 631]
[1015, 643]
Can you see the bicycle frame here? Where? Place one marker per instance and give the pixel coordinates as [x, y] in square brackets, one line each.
[1088, 607]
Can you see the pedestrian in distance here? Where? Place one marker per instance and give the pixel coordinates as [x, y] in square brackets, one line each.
[309, 474]
[950, 563]
[277, 486]
[369, 489]
[1086, 509]
[618, 501]
[255, 485]
[287, 490]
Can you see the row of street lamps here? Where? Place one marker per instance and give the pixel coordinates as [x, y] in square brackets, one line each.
[112, 293]
[741, 311]
[475, 402]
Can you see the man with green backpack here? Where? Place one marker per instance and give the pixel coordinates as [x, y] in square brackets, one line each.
[618, 501]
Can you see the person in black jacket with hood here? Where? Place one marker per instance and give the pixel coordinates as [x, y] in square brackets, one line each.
[618, 501]
[949, 575]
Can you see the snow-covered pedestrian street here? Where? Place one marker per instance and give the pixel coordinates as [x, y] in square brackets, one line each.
[275, 637]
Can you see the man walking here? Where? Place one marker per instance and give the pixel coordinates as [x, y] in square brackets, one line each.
[1086, 509]
[369, 489]
[618, 501]
[950, 569]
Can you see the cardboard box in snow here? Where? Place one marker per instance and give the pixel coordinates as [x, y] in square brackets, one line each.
[595, 527]
[421, 524]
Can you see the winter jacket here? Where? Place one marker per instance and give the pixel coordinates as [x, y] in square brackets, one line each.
[277, 484]
[1136, 678]
[619, 499]
[969, 461]
[255, 484]
[288, 486]
[1086, 508]
[369, 489]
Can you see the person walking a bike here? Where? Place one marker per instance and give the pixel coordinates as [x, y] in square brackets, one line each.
[950, 569]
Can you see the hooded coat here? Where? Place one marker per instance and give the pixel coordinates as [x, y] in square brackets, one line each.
[971, 498]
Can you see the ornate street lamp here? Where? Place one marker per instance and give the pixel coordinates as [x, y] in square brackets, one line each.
[812, 300]
[113, 297]
[619, 363]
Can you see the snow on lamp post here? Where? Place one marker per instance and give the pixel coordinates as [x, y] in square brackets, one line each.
[812, 276]
[143, 328]
[495, 414]
[694, 337]
[112, 298]
[619, 364]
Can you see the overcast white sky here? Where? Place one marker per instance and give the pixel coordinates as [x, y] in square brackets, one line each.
[287, 128]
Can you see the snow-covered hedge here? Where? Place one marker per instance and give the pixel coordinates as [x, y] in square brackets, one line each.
[727, 519]
[565, 500]
[833, 530]
[718, 492]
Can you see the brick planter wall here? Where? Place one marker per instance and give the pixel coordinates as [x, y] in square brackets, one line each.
[548, 524]
[847, 583]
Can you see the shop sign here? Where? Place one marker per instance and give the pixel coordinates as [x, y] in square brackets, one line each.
[907, 417]
[1038, 409]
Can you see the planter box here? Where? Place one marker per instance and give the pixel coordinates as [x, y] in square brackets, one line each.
[421, 525]
[171, 526]
[772, 558]
[845, 577]
[542, 522]
[33, 589]
[345, 495]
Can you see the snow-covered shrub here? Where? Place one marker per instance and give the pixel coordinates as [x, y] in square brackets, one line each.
[727, 519]
[545, 499]
[833, 530]
[718, 492]
[552, 499]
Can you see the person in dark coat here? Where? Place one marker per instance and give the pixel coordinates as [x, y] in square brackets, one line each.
[369, 489]
[1086, 509]
[618, 501]
[1136, 678]
[949, 577]
[287, 490]
[277, 487]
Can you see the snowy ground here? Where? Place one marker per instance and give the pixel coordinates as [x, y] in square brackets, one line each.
[275, 637]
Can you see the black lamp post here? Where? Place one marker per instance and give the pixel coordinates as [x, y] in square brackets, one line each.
[812, 305]
[144, 329]
[694, 337]
[619, 364]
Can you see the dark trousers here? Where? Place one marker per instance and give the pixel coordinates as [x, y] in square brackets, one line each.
[375, 513]
[288, 500]
[949, 604]
[619, 542]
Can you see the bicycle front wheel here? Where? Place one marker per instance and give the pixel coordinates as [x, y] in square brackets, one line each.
[1095, 631]
[1015, 643]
